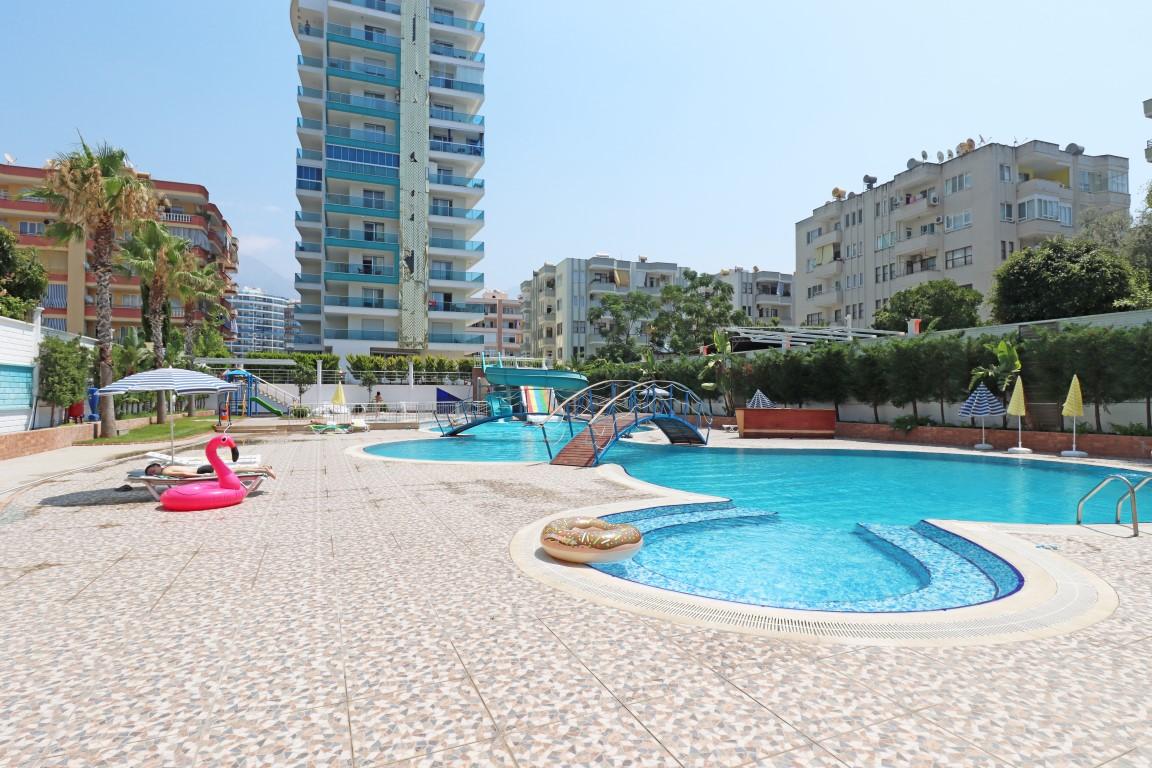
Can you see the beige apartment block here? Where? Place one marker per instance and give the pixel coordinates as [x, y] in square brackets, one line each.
[762, 295]
[502, 326]
[958, 218]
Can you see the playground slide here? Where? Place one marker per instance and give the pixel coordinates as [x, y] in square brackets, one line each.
[267, 406]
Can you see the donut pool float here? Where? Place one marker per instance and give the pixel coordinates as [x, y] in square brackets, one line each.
[590, 540]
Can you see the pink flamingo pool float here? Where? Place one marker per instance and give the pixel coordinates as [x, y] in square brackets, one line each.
[225, 491]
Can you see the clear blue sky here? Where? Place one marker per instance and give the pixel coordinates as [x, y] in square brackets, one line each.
[697, 132]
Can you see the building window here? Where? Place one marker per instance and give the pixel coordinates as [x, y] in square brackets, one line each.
[959, 257]
[1118, 182]
[15, 387]
[32, 228]
[877, 209]
[366, 156]
[887, 240]
[877, 275]
[579, 326]
[954, 221]
[308, 177]
[1005, 172]
[812, 234]
[1005, 211]
[957, 183]
[56, 297]
[1003, 250]
[928, 264]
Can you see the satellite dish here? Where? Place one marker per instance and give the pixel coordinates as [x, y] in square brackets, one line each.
[950, 155]
[1072, 149]
[923, 154]
[9, 159]
[837, 193]
[869, 181]
[939, 157]
[912, 163]
[971, 145]
[851, 195]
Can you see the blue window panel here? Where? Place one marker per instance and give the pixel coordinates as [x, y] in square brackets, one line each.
[351, 154]
[15, 387]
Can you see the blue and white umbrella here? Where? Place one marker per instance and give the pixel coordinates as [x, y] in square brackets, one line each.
[982, 403]
[760, 400]
[177, 381]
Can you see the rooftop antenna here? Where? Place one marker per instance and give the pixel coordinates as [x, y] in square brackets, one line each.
[982, 142]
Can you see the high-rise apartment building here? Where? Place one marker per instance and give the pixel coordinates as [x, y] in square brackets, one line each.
[959, 218]
[70, 303]
[261, 322]
[762, 295]
[391, 141]
[502, 326]
[557, 298]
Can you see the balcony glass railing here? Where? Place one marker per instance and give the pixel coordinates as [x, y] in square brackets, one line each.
[455, 181]
[307, 309]
[306, 339]
[310, 31]
[358, 335]
[341, 233]
[441, 81]
[353, 201]
[306, 278]
[459, 245]
[308, 216]
[456, 306]
[382, 106]
[451, 115]
[371, 70]
[308, 184]
[456, 53]
[309, 154]
[361, 302]
[473, 214]
[362, 169]
[309, 93]
[456, 338]
[359, 269]
[461, 277]
[380, 138]
[308, 247]
[371, 37]
[452, 21]
[456, 147]
[312, 125]
[309, 61]
[376, 5]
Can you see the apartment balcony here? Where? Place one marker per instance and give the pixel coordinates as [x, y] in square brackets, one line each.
[35, 205]
[456, 247]
[360, 206]
[828, 268]
[360, 38]
[454, 84]
[457, 339]
[1148, 113]
[354, 137]
[773, 299]
[358, 273]
[304, 310]
[118, 313]
[339, 334]
[375, 5]
[186, 219]
[830, 298]
[447, 20]
[134, 280]
[308, 220]
[457, 308]
[1032, 231]
[310, 340]
[456, 148]
[306, 279]
[309, 63]
[828, 238]
[930, 241]
[452, 116]
[308, 250]
[340, 237]
[923, 175]
[465, 214]
[918, 207]
[358, 305]
[309, 32]
[463, 279]
[452, 180]
[362, 105]
[373, 174]
[452, 52]
[1043, 187]
[1148, 149]
[304, 93]
[364, 73]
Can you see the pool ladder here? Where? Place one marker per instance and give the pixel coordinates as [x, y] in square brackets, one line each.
[1130, 495]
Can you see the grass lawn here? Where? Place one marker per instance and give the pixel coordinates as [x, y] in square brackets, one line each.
[184, 427]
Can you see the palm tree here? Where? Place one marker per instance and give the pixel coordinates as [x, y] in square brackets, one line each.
[97, 193]
[1001, 374]
[131, 355]
[723, 363]
[163, 263]
[200, 292]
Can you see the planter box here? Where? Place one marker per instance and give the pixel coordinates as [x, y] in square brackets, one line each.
[786, 422]
[1117, 446]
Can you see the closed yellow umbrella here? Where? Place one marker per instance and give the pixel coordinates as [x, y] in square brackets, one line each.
[1017, 408]
[338, 395]
[1074, 408]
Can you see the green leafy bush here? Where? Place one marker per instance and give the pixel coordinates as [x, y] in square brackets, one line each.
[908, 423]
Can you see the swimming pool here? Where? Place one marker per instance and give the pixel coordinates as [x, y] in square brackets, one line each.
[822, 529]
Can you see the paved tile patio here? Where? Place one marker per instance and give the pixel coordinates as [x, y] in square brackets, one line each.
[365, 613]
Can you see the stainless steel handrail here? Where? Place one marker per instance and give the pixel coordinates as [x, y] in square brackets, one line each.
[1131, 494]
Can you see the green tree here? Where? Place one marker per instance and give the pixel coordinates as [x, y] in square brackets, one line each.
[200, 294]
[23, 279]
[723, 367]
[1097, 354]
[162, 262]
[1061, 278]
[869, 376]
[941, 304]
[63, 373]
[366, 370]
[131, 354]
[209, 342]
[95, 194]
[830, 371]
[907, 381]
[1139, 367]
[945, 360]
[692, 311]
[621, 319]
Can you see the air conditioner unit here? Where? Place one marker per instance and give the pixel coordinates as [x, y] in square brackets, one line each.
[933, 200]
[939, 219]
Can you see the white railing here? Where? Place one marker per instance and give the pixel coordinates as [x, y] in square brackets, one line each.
[183, 218]
[399, 412]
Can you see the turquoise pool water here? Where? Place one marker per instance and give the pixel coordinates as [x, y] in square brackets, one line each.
[818, 529]
[495, 441]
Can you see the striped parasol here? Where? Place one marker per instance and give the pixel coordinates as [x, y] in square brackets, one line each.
[982, 403]
[760, 400]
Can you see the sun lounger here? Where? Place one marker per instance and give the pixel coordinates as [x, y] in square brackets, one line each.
[157, 484]
[245, 460]
[330, 429]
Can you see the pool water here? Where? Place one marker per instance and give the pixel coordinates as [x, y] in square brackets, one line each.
[821, 529]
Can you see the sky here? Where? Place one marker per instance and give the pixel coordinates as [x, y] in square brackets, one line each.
[696, 132]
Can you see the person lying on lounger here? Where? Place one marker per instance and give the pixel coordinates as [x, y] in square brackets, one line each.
[156, 469]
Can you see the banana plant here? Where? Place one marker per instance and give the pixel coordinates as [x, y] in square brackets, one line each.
[722, 364]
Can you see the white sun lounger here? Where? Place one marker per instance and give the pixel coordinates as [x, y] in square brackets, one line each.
[245, 460]
[157, 484]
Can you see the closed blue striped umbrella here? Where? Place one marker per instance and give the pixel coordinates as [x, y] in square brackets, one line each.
[982, 403]
[760, 400]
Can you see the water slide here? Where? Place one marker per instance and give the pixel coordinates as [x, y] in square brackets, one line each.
[274, 410]
[563, 382]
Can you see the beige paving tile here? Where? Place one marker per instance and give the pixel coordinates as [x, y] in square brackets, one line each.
[484, 754]
[907, 742]
[715, 727]
[275, 738]
[813, 756]
[611, 737]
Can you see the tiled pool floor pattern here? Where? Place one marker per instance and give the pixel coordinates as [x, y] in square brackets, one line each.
[366, 613]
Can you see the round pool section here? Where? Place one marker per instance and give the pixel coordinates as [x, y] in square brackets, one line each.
[820, 529]
[495, 441]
